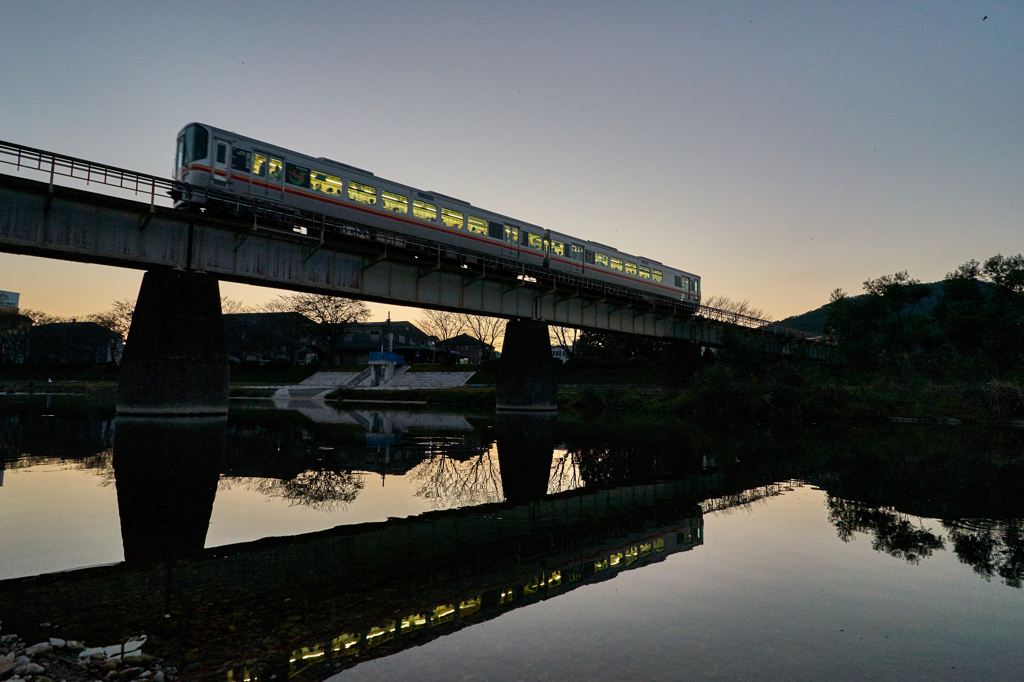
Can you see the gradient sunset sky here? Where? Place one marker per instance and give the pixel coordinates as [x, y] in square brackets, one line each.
[779, 150]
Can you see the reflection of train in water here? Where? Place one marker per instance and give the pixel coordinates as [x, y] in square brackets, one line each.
[218, 159]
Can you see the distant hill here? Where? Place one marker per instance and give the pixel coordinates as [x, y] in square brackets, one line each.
[813, 321]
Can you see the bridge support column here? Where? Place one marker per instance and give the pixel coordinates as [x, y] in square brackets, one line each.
[175, 360]
[526, 375]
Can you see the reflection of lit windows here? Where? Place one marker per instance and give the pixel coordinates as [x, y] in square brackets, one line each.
[413, 622]
[364, 194]
[506, 596]
[615, 559]
[395, 202]
[379, 635]
[601, 259]
[469, 607]
[600, 565]
[442, 614]
[631, 555]
[328, 184]
[532, 586]
[645, 549]
[659, 545]
[345, 645]
[616, 264]
[451, 218]
[554, 578]
[424, 211]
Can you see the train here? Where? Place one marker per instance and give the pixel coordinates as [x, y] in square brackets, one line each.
[224, 161]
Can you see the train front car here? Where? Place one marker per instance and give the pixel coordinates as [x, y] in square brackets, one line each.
[193, 162]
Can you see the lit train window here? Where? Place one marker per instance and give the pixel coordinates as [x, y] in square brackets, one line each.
[424, 211]
[240, 160]
[511, 234]
[276, 170]
[259, 165]
[616, 264]
[364, 194]
[558, 248]
[576, 253]
[451, 218]
[534, 241]
[477, 225]
[296, 175]
[328, 184]
[601, 259]
[657, 274]
[630, 268]
[645, 272]
[395, 202]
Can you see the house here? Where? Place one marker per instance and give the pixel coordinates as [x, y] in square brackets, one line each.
[73, 343]
[561, 353]
[470, 349]
[264, 337]
[362, 338]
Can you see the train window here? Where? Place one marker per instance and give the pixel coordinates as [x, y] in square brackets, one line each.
[364, 194]
[296, 175]
[222, 153]
[478, 225]
[679, 281]
[328, 184]
[197, 143]
[495, 230]
[645, 272]
[558, 248]
[276, 170]
[631, 268]
[259, 164]
[601, 259]
[576, 253]
[657, 275]
[616, 264]
[395, 202]
[451, 218]
[694, 285]
[590, 256]
[240, 160]
[424, 211]
[534, 241]
[511, 234]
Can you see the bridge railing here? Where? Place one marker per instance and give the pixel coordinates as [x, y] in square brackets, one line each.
[320, 226]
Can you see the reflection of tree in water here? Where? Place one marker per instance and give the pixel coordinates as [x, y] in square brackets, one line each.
[450, 482]
[990, 547]
[894, 533]
[321, 489]
[565, 472]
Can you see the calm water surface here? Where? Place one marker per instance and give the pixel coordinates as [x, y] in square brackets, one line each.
[310, 543]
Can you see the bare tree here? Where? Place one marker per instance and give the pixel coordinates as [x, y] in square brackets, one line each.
[229, 306]
[725, 309]
[39, 317]
[566, 337]
[486, 329]
[117, 319]
[330, 314]
[443, 325]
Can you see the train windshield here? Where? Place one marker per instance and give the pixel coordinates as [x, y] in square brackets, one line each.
[193, 145]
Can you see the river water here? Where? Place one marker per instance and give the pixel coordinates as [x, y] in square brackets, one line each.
[303, 541]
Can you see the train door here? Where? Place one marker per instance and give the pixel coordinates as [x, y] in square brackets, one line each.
[510, 246]
[267, 175]
[221, 157]
[576, 259]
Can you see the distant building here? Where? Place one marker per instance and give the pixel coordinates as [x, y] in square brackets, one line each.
[471, 349]
[14, 337]
[73, 343]
[408, 340]
[561, 353]
[265, 337]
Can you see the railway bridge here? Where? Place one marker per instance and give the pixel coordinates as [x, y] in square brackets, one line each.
[174, 361]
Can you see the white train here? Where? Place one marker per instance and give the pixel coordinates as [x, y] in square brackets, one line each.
[213, 158]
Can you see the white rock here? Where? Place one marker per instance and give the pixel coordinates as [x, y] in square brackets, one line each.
[40, 648]
[33, 669]
[57, 643]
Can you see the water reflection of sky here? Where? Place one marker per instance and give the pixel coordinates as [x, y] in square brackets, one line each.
[771, 594]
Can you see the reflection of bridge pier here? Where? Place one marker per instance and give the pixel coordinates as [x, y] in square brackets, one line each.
[526, 445]
[166, 472]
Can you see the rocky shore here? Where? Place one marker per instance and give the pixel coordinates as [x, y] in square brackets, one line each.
[65, 660]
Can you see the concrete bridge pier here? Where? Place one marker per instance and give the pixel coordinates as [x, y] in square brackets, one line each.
[175, 360]
[526, 375]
